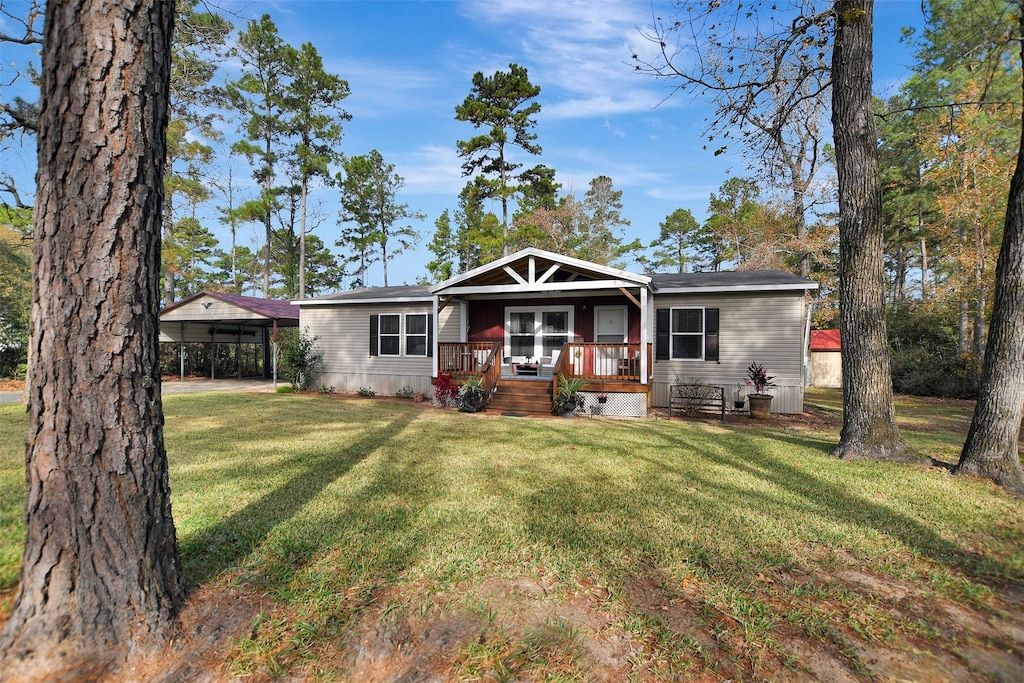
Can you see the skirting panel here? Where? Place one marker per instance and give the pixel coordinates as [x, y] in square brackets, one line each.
[788, 399]
[383, 385]
[615, 405]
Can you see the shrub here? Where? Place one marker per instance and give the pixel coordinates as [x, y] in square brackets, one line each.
[366, 392]
[445, 390]
[285, 389]
[405, 392]
[301, 359]
[924, 356]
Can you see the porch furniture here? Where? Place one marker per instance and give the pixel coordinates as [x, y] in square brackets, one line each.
[687, 397]
[527, 369]
[629, 367]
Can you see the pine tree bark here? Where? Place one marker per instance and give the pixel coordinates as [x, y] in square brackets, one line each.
[869, 424]
[100, 579]
[992, 446]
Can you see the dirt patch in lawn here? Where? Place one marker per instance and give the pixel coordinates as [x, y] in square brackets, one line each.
[541, 627]
[530, 629]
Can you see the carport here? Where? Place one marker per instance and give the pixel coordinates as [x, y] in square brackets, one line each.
[216, 318]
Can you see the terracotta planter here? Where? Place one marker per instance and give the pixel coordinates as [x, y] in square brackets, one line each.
[760, 405]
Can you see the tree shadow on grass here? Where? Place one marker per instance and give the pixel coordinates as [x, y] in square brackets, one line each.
[839, 502]
[221, 545]
[739, 505]
[789, 485]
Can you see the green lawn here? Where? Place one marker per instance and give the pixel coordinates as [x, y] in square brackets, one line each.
[372, 536]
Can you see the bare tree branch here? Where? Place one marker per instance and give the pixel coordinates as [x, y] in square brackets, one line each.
[8, 185]
[30, 21]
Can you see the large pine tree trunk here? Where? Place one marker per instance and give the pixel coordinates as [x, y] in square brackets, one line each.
[869, 424]
[991, 449]
[100, 579]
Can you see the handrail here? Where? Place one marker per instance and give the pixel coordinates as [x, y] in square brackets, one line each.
[561, 367]
[491, 371]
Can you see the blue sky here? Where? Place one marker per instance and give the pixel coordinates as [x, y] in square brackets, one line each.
[410, 63]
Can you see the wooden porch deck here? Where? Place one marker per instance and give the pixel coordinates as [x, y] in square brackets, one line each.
[609, 368]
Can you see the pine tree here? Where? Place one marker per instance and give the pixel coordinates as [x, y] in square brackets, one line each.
[503, 105]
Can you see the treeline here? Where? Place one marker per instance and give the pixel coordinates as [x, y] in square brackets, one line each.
[945, 170]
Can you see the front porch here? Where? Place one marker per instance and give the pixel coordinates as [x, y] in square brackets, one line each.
[609, 370]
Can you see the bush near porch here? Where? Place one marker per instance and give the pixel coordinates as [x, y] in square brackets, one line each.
[331, 538]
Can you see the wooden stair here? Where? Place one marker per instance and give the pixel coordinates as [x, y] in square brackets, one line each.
[521, 397]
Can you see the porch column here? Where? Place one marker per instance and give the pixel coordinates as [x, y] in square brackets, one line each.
[433, 351]
[644, 324]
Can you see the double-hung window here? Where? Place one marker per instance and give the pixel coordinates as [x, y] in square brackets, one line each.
[416, 334]
[390, 334]
[396, 334]
[554, 330]
[687, 333]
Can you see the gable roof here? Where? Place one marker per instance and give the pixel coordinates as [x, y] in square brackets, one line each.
[273, 309]
[729, 281]
[825, 340]
[537, 270]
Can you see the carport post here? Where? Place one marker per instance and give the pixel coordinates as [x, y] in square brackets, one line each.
[181, 354]
[275, 353]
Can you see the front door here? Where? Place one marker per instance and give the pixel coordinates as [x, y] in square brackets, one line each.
[610, 324]
[609, 328]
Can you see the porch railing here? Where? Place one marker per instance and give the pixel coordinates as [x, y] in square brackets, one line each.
[463, 358]
[599, 362]
[472, 359]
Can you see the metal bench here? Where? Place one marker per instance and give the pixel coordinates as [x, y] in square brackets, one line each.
[689, 397]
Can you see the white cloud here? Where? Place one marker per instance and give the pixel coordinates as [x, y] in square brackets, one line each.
[580, 53]
[431, 169]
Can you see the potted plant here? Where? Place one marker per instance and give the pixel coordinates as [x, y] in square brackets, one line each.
[602, 397]
[739, 401]
[471, 396]
[568, 398]
[760, 402]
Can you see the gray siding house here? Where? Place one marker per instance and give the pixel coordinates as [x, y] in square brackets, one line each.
[534, 315]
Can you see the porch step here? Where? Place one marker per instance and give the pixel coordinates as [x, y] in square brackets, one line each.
[521, 396]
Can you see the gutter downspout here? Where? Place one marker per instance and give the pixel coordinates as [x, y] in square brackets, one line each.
[809, 308]
[433, 351]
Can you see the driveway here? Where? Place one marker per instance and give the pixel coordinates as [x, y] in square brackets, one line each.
[199, 385]
[189, 387]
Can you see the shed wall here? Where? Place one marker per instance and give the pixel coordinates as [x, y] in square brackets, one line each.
[827, 369]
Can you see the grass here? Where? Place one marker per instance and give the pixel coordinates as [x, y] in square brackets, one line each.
[516, 549]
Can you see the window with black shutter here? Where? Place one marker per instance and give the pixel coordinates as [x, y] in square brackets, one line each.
[686, 333]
